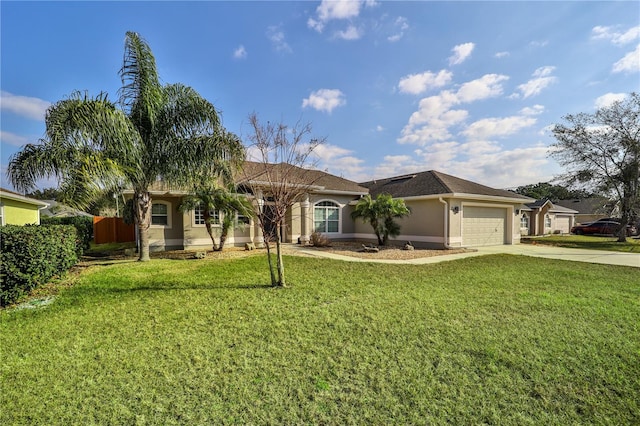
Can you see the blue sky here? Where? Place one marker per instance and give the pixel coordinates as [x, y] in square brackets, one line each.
[466, 88]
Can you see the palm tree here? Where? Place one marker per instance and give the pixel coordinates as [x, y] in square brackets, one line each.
[380, 213]
[228, 204]
[159, 132]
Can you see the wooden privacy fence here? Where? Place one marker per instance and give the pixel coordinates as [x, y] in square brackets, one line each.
[112, 230]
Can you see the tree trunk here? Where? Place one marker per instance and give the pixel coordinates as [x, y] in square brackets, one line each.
[280, 263]
[143, 220]
[274, 283]
[226, 225]
[207, 224]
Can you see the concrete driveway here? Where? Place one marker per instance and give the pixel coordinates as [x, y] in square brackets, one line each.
[576, 255]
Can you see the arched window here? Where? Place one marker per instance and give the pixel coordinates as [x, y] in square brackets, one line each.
[524, 221]
[326, 217]
[547, 221]
[161, 214]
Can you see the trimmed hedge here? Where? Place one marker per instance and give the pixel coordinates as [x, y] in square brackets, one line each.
[83, 224]
[31, 255]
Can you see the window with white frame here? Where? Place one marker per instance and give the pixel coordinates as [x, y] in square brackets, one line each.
[326, 217]
[161, 214]
[524, 221]
[242, 219]
[198, 216]
[547, 221]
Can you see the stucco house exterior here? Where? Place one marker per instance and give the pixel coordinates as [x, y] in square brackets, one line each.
[326, 206]
[543, 217]
[16, 209]
[446, 212]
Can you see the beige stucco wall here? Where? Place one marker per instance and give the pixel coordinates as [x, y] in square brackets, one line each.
[19, 213]
[167, 237]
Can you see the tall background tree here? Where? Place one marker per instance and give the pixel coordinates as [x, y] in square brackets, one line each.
[552, 192]
[381, 213]
[155, 131]
[281, 176]
[601, 152]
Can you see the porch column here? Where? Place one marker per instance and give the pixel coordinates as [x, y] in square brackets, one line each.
[304, 222]
[256, 236]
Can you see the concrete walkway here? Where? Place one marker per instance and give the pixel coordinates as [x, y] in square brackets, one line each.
[548, 252]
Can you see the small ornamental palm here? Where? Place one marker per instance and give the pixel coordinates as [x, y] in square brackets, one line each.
[380, 214]
[209, 198]
[159, 132]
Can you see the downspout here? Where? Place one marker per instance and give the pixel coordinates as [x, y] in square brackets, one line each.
[446, 223]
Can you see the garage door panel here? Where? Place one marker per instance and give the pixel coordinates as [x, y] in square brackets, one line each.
[483, 226]
[562, 224]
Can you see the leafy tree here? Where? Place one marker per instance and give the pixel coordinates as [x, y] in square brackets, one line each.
[166, 132]
[280, 178]
[44, 194]
[601, 151]
[380, 213]
[226, 203]
[553, 192]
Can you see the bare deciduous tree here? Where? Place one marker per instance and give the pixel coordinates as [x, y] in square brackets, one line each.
[281, 176]
[602, 152]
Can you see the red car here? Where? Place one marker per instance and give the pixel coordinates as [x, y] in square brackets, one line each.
[602, 227]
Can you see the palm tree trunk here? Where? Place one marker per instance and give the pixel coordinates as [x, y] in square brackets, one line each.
[207, 224]
[226, 225]
[143, 220]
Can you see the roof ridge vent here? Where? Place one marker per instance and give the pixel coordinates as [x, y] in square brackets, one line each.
[404, 177]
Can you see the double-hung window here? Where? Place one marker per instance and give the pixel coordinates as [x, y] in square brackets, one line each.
[326, 217]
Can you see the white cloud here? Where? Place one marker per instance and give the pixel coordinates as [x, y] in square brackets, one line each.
[539, 43]
[325, 100]
[611, 34]
[402, 25]
[12, 138]
[338, 161]
[501, 54]
[497, 127]
[240, 52]
[434, 117]
[608, 98]
[419, 83]
[278, 40]
[460, 53]
[24, 106]
[542, 78]
[351, 33]
[335, 9]
[534, 110]
[379, 128]
[629, 63]
[487, 86]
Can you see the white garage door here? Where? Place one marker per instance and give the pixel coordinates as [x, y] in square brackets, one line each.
[483, 226]
[562, 224]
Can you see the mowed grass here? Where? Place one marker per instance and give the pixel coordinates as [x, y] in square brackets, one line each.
[487, 340]
[632, 245]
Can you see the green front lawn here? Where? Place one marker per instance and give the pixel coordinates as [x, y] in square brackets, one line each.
[486, 340]
[587, 242]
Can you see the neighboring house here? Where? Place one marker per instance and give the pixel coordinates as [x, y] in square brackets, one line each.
[55, 209]
[590, 209]
[16, 209]
[543, 217]
[447, 211]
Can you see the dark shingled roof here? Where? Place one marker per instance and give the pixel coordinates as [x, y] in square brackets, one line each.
[255, 171]
[433, 183]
